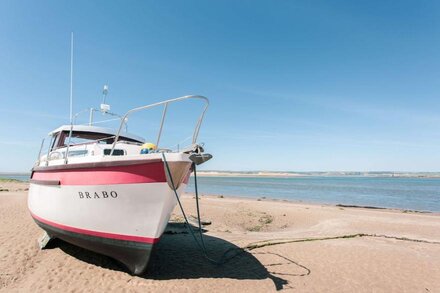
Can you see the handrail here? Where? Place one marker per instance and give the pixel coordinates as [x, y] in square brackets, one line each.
[66, 152]
[68, 142]
[39, 152]
[197, 127]
[162, 121]
[124, 120]
[48, 150]
[91, 111]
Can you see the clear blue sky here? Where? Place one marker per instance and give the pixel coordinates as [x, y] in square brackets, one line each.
[294, 85]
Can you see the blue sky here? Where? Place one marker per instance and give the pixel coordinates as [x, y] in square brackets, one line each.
[294, 85]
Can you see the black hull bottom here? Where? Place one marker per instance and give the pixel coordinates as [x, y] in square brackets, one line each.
[134, 255]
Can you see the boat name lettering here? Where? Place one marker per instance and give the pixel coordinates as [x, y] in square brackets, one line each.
[101, 194]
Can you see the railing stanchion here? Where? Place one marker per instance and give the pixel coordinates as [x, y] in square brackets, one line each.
[199, 124]
[164, 113]
[68, 143]
[91, 117]
[48, 150]
[39, 152]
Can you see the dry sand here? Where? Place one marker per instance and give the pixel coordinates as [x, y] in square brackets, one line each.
[402, 253]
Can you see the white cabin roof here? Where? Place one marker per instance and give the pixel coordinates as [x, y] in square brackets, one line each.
[96, 129]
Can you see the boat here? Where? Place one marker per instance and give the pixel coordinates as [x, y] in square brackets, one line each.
[109, 191]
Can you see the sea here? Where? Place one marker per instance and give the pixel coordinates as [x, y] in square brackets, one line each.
[15, 177]
[416, 194]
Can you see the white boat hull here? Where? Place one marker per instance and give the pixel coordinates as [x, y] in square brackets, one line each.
[122, 221]
[141, 210]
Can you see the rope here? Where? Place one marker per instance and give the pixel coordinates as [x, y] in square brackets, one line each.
[200, 244]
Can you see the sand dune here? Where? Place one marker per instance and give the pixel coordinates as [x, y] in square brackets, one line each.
[325, 249]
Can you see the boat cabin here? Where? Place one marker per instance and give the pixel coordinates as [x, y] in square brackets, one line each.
[87, 140]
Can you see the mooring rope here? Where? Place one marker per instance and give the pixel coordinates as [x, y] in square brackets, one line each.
[200, 244]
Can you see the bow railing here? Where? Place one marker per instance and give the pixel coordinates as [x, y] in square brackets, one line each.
[164, 113]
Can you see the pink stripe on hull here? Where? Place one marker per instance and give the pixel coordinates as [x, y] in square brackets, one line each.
[96, 233]
[141, 173]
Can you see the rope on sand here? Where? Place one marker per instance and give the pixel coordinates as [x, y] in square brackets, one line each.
[265, 243]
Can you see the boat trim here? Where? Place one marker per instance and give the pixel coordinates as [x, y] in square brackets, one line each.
[45, 182]
[94, 165]
[126, 174]
[107, 235]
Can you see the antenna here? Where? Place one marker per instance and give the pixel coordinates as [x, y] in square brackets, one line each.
[104, 93]
[105, 107]
[71, 78]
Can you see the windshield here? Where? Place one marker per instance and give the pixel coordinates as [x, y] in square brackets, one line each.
[85, 137]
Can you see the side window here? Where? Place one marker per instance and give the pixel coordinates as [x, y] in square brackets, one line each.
[79, 137]
[56, 141]
[78, 153]
[116, 152]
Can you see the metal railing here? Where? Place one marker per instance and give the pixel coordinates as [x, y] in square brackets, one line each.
[124, 120]
[165, 103]
[91, 111]
[51, 149]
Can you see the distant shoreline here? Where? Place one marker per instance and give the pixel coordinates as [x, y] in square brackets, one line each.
[318, 174]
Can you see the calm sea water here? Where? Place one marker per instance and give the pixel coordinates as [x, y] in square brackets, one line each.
[16, 177]
[422, 194]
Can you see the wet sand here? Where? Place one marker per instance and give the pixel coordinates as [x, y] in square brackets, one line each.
[290, 246]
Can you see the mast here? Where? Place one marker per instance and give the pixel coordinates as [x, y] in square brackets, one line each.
[71, 78]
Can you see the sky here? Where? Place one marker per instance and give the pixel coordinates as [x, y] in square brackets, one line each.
[293, 85]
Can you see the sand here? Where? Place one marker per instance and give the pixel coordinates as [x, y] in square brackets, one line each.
[314, 248]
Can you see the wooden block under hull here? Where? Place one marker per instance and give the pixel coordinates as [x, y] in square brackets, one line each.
[134, 255]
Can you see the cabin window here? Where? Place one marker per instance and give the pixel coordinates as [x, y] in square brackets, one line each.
[61, 155]
[85, 137]
[78, 153]
[56, 156]
[80, 137]
[116, 152]
[56, 141]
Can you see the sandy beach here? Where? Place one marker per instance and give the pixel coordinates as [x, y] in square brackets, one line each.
[290, 246]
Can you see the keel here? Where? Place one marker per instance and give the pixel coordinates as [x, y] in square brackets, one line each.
[133, 255]
[44, 240]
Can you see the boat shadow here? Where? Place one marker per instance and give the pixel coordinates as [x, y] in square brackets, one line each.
[177, 256]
